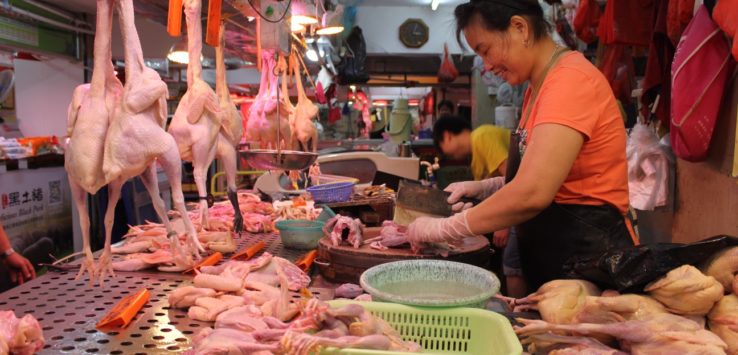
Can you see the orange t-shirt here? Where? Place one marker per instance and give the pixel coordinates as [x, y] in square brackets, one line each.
[576, 94]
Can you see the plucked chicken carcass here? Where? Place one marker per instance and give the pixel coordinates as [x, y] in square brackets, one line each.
[619, 308]
[185, 297]
[339, 225]
[723, 321]
[560, 301]
[263, 124]
[196, 123]
[685, 290]
[304, 133]
[659, 334]
[19, 336]
[230, 132]
[724, 268]
[136, 139]
[89, 116]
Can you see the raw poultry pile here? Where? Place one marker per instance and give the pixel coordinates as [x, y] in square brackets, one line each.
[148, 246]
[671, 318]
[19, 336]
[297, 208]
[249, 303]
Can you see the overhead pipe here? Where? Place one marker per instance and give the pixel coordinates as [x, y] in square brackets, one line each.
[46, 20]
[56, 11]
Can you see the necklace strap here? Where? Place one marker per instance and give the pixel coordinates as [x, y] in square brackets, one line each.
[555, 56]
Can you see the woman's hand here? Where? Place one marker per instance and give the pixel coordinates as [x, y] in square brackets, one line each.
[438, 230]
[19, 268]
[472, 189]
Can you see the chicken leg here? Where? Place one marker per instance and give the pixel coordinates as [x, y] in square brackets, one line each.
[230, 132]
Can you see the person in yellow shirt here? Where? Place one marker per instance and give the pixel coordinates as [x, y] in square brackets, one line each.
[488, 147]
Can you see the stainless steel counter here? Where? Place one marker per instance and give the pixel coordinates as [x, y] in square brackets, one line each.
[68, 310]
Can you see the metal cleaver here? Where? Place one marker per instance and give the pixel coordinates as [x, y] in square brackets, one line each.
[414, 200]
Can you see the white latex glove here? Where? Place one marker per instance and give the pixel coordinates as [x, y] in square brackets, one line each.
[472, 189]
[438, 230]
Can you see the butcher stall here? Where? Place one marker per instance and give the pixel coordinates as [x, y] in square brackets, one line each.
[295, 178]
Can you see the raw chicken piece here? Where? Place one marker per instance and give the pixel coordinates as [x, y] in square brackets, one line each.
[197, 121]
[280, 308]
[391, 235]
[304, 133]
[619, 308]
[226, 282]
[133, 247]
[723, 266]
[141, 261]
[239, 268]
[227, 341]
[685, 290]
[136, 139]
[548, 343]
[336, 226]
[560, 301]
[723, 321]
[20, 336]
[349, 291]
[185, 297]
[241, 318]
[207, 309]
[659, 334]
[88, 119]
[304, 344]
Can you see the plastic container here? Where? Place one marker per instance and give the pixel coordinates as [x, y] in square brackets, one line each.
[430, 283]
[442, 330]
[335, 192]
[300, 233]
[326, 214]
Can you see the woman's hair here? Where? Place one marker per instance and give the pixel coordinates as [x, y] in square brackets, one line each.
[496, 15]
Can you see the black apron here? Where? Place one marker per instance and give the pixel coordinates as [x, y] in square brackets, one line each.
[561, 231]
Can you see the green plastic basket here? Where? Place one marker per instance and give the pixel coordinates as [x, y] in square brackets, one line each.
[442, 330]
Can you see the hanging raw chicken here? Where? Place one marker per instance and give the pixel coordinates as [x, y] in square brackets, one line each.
[262, 123]
[305, 135]
[361, 103]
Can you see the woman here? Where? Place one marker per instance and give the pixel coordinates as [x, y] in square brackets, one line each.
[568, 194]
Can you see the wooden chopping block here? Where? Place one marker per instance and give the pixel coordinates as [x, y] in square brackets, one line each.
[346, 264]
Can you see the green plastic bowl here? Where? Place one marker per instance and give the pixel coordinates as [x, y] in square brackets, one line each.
[299, 233]
[326, 214]
[430, 283]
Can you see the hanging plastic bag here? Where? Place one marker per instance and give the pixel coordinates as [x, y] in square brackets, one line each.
[586, 20]
[630, 269]
[702, 66]
[725, 15]
[352, 68]
[447, 73]
[648, 169]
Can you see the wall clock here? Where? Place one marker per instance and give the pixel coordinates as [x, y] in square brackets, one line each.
[414, 33]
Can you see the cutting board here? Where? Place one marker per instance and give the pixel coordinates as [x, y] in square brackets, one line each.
[344, 263]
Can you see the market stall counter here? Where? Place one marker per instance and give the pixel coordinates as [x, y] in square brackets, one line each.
[68, 309]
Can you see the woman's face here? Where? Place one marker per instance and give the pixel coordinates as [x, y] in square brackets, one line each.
[504, 52]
